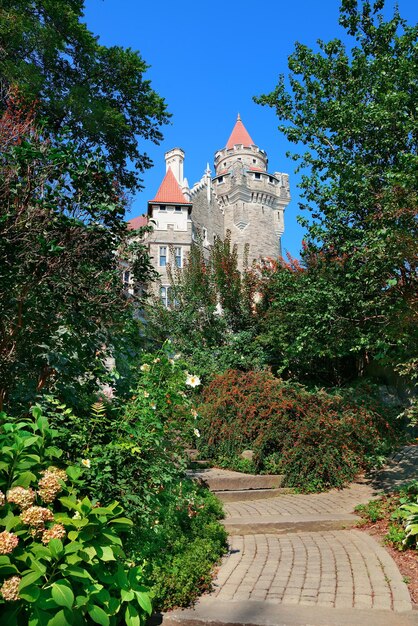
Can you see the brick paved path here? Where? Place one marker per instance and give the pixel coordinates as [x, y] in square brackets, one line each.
[343, 569]
[304, 576]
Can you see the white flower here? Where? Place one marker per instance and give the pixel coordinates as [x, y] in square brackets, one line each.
[108, 392]
[86, 463]
[194, 413]
[192, 380]
[145, 367]
[171, 361]
[146, 394]
[153, 406]
[257, 297]
[157, 360]
[177, 356]
[196, 432]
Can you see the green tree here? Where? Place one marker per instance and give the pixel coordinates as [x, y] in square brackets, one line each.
[211, 318]
[60, 284]
[98, 94]
[352, 110]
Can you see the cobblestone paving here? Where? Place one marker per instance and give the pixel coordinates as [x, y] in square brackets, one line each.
[341, 569]
[333, 502]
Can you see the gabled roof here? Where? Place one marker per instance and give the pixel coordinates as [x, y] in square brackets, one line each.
[169, 191]
[239, 135]
[137, 222]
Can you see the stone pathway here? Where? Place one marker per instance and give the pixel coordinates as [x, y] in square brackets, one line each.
[296, 560]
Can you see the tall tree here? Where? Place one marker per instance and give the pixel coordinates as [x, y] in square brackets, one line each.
[60, 281]
[352, 111]
[98, 94]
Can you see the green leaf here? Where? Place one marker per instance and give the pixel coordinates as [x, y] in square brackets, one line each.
[132, 616]
[24, 480]
[122, 521]
[144, 601]
[74, 472]
[29, 579]
[98, 615]
[62, 618]
[30, 593]
[56, 548]
[70, 503]
[105, 553]
[62, 594]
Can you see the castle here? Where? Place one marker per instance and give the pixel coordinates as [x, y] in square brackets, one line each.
[242, 197]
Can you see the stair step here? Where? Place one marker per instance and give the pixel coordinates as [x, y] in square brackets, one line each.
[282, 524]
[226, 480]
[240, 495]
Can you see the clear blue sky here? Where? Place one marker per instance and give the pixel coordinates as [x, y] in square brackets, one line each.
[208, 60]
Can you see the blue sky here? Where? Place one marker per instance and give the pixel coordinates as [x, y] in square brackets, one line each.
[208, 60]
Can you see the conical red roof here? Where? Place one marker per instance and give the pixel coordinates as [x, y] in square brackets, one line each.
[239, 136]
[169, 191]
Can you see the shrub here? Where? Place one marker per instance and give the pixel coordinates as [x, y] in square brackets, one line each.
[62, 560]
[137, 456]
[317, 439]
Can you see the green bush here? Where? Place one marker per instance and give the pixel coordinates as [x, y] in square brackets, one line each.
[136, 455]
[317, 439]
[62, 561]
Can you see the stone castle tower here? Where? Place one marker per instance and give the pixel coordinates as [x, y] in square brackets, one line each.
[242, 197]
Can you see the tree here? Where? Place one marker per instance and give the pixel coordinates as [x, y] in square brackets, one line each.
[97, 93]
[353, 110]
[60, 284]
[211, 317]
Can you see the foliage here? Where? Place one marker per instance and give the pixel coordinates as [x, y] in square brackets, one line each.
[97, 93]
[316, 438]
[62, 560]
[136, 454]
[399, 511]
[63, 305]
[181, 547]
[351, 111]
[210, 296]
[323, 319]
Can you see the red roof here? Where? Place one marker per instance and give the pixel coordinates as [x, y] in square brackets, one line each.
[137, 222]
[239, 136]
[169, 191]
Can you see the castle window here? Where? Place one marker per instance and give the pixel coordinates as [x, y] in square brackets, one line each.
[220, 180]
[163, 256]
[257, 176]
[126, 278]
[254, 160]
[178, 256]
[205, 234]
[162, 207]
[271, 179]
[165, 296]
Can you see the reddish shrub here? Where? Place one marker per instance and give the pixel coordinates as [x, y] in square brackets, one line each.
[317, 439]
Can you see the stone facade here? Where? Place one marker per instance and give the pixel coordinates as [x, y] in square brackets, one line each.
[242, 197]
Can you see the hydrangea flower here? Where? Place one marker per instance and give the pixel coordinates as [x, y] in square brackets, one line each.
[8, 542]
[24, 498]
[36, 516]
[10, 589]
[57, 531]
[145, 367]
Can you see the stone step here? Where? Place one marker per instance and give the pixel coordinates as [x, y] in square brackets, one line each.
[241, 495]
[217, 479]
[283, 524]
[212, 612]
